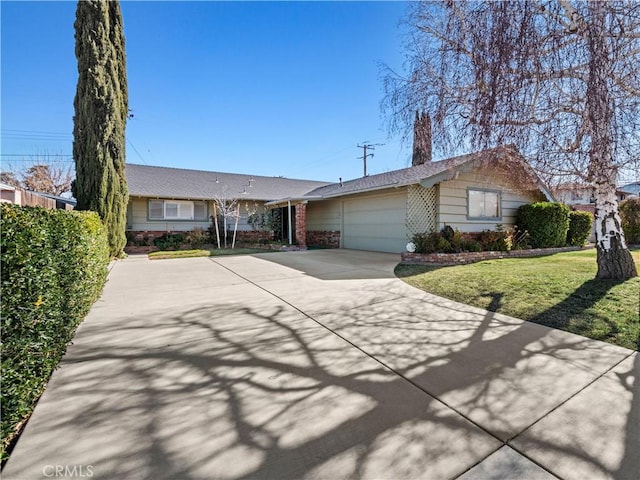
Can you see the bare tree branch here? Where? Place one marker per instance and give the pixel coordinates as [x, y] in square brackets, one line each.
[558, 78]
[42, 175]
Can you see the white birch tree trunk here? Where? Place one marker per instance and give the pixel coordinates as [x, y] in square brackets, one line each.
[614, 259]
[235, 228]
[225, 229]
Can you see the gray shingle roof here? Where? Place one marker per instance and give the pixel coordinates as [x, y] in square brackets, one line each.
[165, 182]
[178, 183]
[413, 175]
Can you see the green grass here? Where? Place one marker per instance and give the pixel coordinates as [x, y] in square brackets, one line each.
[204, 253]
[556, 290]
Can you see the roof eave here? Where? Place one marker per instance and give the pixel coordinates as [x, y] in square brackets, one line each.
[286, 200]
[367, 190]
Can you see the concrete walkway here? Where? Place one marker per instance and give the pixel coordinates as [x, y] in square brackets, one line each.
[323, 365]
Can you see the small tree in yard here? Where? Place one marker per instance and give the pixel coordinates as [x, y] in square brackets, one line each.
[101, 109]
[229, 210]
[559, 78]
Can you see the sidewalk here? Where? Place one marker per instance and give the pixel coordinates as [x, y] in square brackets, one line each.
[322, 364]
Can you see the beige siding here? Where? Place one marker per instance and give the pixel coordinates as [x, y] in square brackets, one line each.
[452, 201]
[138, 219]
[324, 216]
[376, 221]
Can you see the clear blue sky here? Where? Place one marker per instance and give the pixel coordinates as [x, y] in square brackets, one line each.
[263, 88]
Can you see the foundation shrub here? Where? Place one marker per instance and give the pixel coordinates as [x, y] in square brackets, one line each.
[134, 240]
[430, 242]
[197, 237]
[580, 224]
[454, 237]
[54, 265]
[630, 216]
[547, 223]
[495, 241]
[169, 241]
[471, 246]
[449, 240]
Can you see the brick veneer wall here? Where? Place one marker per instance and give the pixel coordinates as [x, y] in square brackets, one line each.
[301, 224]
[148, 235]
[324, 238]
[252, 236]
[472, 257]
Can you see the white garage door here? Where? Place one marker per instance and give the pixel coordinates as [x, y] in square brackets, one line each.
[376, 222]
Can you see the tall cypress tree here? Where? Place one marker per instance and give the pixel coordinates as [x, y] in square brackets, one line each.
[101, 109]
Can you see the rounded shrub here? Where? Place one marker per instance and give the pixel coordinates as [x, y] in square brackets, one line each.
[546, 223]
[197, 237]
[630, 215]
[169, 241]
[495, 240]
[432, 242]
[580, 224]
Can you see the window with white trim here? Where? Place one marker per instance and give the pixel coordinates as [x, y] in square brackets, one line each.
[484, 204]
[177, 210]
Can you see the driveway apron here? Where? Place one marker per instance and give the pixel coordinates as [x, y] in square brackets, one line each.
[322, 365]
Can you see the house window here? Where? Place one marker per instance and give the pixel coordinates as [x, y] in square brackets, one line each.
[483, 204]
[200, 210]
[156, 209]
[177, 210]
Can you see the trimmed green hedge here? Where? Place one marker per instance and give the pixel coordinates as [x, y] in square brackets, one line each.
[547, 223]
[54, 265]
[580, 224]
[630, 216]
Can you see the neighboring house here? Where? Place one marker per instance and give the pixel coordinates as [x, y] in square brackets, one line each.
[10, 194]
[380, 212]
[630, 190]
[20, 196]
[62, 203]
[581, 197]
[575, 194]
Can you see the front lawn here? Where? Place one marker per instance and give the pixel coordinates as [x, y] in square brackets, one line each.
[557, 290]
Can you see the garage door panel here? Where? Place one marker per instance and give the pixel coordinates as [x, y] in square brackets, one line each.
[374, 231]
[376, 222]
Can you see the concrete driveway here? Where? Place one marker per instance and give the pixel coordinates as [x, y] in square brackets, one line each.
[323, 365]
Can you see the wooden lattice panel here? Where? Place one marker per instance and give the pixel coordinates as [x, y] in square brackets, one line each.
[421, 210]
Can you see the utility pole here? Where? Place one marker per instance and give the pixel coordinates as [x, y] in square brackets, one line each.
[368, 146]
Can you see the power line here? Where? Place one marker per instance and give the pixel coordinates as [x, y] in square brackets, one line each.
[36, 155]
[33, 131]
[35, 137]
[137, 152]
[10, 134]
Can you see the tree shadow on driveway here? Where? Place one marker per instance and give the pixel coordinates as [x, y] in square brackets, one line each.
[410, 386]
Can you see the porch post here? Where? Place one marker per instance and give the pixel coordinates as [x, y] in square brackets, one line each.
[289, 221]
